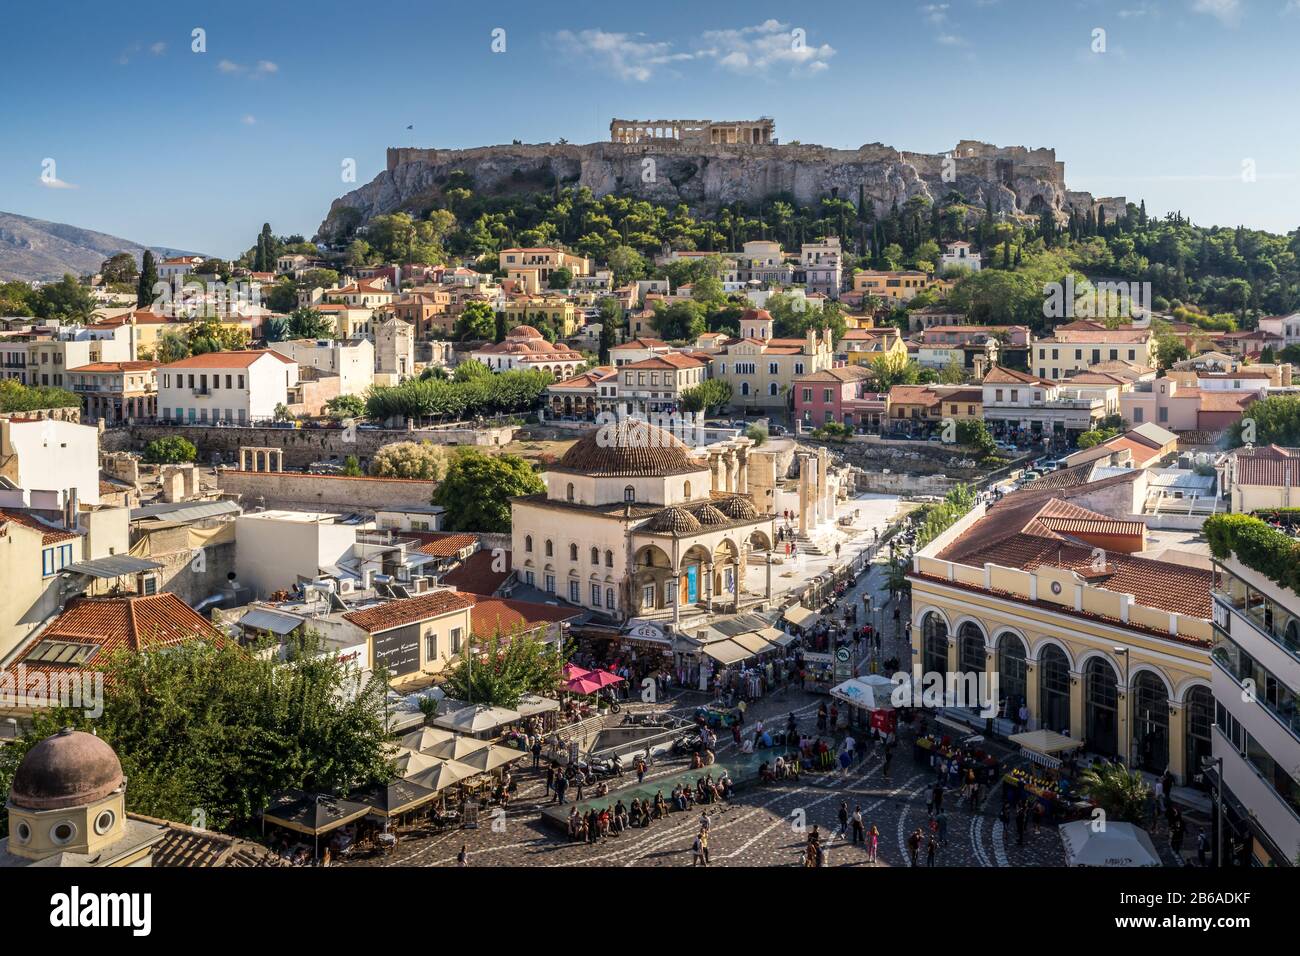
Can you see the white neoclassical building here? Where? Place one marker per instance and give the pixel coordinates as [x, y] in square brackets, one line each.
[635, 524]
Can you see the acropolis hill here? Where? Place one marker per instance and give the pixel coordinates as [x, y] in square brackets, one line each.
[707, 164]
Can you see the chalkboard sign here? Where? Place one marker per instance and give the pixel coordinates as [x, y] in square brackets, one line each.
[398, 650]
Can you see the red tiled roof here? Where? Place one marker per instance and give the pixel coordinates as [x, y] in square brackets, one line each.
[49, 534]
[115, 367]
[442, 544]
[673, 360]
[227, 359]
[127, 622]
[999, 375]
[1012, 535]
[499, 615]
[1271, 466]
[913, 395]
[641, 343]
[391, 614]
[1215, 401]
[476, 575]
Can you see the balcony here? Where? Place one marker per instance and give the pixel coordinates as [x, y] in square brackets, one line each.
[1270, 811]
[1268, 712]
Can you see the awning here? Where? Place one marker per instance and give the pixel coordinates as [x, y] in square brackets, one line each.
[869, 693]
[774, 635]
[753, 643]
[1043, 746]
[530, 705]
[798, 615]
[476, 719]
[784, 639]
[262, 619]
[312, 813]
[113, 566]
[726, 652]
[1119, 844]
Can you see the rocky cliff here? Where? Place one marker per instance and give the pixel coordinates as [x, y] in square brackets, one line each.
[1019, 181]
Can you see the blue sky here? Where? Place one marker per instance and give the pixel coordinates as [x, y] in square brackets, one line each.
[156, 143]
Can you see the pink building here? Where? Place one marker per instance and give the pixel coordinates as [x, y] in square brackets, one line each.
[842, 395]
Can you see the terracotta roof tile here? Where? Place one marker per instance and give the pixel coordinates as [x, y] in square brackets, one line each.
[499, 615]
[391, 614]
[476, 574]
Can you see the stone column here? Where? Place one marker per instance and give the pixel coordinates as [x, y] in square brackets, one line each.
[1178, 743]
[715, 470]
[677, 600]
[1077, 724]
[1031, 694]
[991, 676]
[743, 457]
[805, 487]
[826, 509]
[729, 462]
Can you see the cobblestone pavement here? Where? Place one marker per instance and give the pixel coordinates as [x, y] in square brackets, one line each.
[759, 827]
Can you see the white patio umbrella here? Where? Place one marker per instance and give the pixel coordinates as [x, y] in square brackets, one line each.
[490, 758]
[423, 738]
[443, 774]
[412, 761]
[457, 748]
[1119, 844]
[477, 718]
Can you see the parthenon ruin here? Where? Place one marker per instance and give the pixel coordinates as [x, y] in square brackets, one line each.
[694, 132]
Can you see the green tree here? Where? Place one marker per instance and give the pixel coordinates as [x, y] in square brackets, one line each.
[561, 278]
[1121, 792]
[408, 459]
[308, 323]
[477, 490]
[352, 467]
[224, 729]
[148, 278]
[709, 396]
[504, 667]
[17, 397]
[67, 300]
[171, 450]
[477, 322]
[119, 269]
[627, 264]
[346, 406]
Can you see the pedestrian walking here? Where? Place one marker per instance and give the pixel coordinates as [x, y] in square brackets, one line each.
[859, 834]
[914, 846]
[550, 779]
[844, 818]
[561, 785]
[697, 849]
[462, 858]
[873, 844]
[537, 751]
[704, 845]
[930, 852]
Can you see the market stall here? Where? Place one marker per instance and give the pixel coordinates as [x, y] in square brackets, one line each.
[962, 755]
[819, 669]
[800, 616]
[1045, 747]
[871, 699]
[476, 719]
[312, 814]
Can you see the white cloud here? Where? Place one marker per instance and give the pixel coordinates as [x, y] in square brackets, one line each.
[766, 45]
[262, 68]
[935, 13]
[158, 49]
[54, 182]
[950, 39]
[1227, 12]
[751, 50]
[628, 56]
[249, 120]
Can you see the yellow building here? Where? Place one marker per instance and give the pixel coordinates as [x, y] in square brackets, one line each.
[762, 371]
[1056, 607]
[533, 266]
[555, 311]
[862, 346]
[902, 286]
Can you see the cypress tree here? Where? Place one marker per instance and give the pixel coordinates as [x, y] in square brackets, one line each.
[148, 276]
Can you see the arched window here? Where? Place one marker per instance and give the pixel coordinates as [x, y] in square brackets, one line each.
[609, 597]
[629, 493]
[609, 559]
[595, 556]
[771, 389]
[1053, 689]
[1150, 721]
[744, 388]
[1101, 710]
[573, 552]
[686, 491]
[569, 491]
[528, 543]
[550, 548]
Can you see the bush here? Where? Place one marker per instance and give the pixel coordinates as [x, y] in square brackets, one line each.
[172, 450]
[1256, 545]
[757, 434]
[17, 397]
[408, 459]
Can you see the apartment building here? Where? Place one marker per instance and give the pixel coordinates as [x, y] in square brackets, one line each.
[115, 391]
[353, 362]
[240, 387]
[1077, 346]
[655, 385]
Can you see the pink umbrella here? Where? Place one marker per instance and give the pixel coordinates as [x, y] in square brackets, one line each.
[586, 684]
[573, 671]
[605, 678]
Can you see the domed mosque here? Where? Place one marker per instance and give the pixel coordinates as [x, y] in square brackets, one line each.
[67, 807]
[634, 523]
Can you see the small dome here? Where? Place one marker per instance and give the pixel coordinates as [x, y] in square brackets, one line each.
[629, 448]
[674, 521]
[707, 515]
[69, 769]
[737, 507]
[523, 332]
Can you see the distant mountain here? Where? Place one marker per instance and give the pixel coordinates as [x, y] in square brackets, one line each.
[36, 249]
